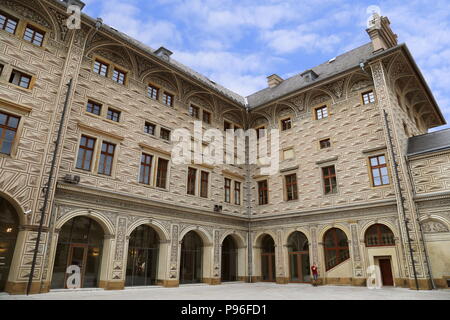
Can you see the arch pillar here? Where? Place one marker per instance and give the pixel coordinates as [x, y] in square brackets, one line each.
[281, 276]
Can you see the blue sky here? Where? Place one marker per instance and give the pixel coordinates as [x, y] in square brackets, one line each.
[239, 43]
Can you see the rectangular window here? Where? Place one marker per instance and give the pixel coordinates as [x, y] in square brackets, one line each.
[237, 193]
[101, 68]
[321, 112]
[146, 169]
[194, 112]
[227, 125]
[227, 188]
[118, 76]
[34, 35]
[291, 187]
[113, 115]
[288, 154]
[85, 153]
[325, 143]
[161, 176]
[379, 170]
[329, 180]
[368, 97]
[8, 23]
[286, 124]
[94, 107]
[192, 176]
[204, 184]
[8, 130]
[153, 92]
[20, 79]
[263, 192]
[260, 132]
[106, 158]
[149, 128]
[206, 117]
[168, 99]
[165, 134]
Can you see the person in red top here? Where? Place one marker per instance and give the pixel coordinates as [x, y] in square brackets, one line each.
[315, 274]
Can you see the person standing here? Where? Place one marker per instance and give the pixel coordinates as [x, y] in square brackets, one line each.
[315, 274]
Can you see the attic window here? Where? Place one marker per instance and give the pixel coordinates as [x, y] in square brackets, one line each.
[309, 75]
[163, 53]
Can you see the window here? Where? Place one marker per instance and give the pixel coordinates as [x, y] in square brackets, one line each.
[379, 235]
[8, 130]
[378, 167]
[8, 23]
[20, 79]
[106, 158]
[237, 193]
[101, 68]
[161, 175]
[149, 128]
[85, 153]
[329, 179]
[263, 192]
[336, 248]
[34, 35]
[192, 175]
[288, 154]
[206, 117]
[227, 188]
[227, 125]
[168, 99]
[321, 112]
[165, 134]
[204, 177]
[118, 76]
[368, 97]
[113, 115]
[146, 169]
[153, 92]
[260, 132]
[291, 187]
[325, 143]
[286, 124]
[94, 107]
[194, 112]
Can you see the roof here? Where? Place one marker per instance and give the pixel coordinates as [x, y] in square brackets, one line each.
[342, 63]
[430, 142]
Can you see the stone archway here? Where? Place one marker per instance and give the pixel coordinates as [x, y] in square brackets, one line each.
[191, 263]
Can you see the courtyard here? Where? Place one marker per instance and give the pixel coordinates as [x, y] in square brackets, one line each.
[240, 291]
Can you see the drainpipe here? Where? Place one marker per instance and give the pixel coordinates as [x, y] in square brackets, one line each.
[47, 187]
[402, 201]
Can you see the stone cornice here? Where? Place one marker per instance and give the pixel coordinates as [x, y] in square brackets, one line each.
[432, 196]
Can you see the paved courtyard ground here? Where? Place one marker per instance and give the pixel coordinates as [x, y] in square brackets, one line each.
[242, 291]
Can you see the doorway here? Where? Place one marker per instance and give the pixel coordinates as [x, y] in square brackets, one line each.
[9, 227]
[191, 258]
[386, 272]
[229, 260]
[299, 266]
[268, 259]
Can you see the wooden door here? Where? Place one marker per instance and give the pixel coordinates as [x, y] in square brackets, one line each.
[386, 272]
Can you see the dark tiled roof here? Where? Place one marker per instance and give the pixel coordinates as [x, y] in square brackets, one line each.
[430, 142]
[342, 63]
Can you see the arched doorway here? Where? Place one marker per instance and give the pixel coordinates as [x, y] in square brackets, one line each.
[336, 248]
[191, 258]
[9, 225]
[229, 260]
[80, 243]
[143, 251]
[267, 259]
[298, 250]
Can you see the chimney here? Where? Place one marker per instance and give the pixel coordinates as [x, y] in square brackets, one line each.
[78, 3]
[163, 53]
[381, 33]
[309, 75]
[274, 80]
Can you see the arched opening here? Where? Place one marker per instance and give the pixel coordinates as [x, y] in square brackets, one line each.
[191, 258]
[9, 226]
[143, 251]
[229, 260]
[298, 251]
[336, 248]
[79, 251]
[379, 235]
[268, 259]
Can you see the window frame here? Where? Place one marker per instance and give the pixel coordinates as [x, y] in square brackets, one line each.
[150, 124]
[191, 181]
[283, 125]
[120, 72]
[379, 167]
[164, 99]
[237, 193]
[9, 17]
[165, 174]
[321, 147]
[145, 164]
[161, 129]
[153, 88]
[321, 108]
[6, 128]
[336, 248]
[335, 190]
[263, 192]
[379, 233]
[291, 184]
[227, 189]
[94, 103]
[204, 112]
[204, 184]
[22, 74]
[93, 154]
[102, 63]
[194, 111]
[36, 30]
[113, 111]
[106, 155]
[363, 94]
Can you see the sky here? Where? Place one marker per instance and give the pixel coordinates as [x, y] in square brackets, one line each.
[239, 43]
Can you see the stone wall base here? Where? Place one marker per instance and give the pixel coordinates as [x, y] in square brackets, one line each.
[211, 281]
[170, 283]
[442, 283]
[21, 287]
[111, 285]
[282, 280]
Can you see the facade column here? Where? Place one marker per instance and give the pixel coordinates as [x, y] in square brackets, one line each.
[172, 272]
[281, 276]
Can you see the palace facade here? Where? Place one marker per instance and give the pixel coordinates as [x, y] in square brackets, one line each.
[361, 182]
